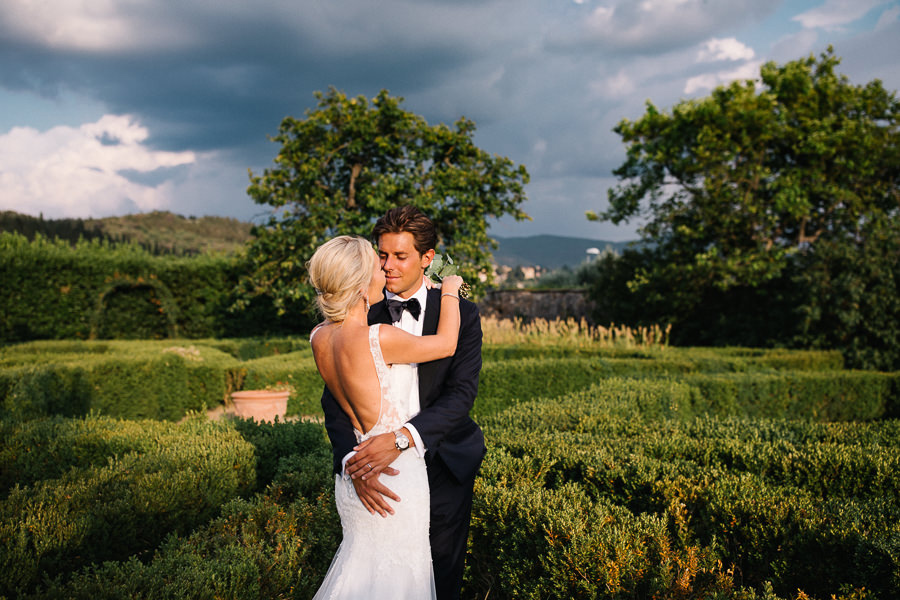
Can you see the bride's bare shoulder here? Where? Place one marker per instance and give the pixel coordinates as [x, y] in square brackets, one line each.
[319, 333]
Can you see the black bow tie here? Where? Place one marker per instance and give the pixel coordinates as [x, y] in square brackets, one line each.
[396, 308]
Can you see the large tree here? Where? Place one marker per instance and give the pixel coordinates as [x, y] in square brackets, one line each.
[351, 159]
[736, 188]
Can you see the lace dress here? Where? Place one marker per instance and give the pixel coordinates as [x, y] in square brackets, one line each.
[384, 557]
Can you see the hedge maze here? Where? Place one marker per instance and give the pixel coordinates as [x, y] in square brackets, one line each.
[611, 473]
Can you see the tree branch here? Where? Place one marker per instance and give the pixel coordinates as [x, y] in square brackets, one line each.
[351, 195]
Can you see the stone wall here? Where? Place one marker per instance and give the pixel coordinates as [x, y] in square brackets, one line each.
[536, 304]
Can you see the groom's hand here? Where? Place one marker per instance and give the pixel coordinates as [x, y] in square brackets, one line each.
[373, 457]
[372, 492]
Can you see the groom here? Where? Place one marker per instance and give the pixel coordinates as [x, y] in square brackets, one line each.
[442, 431]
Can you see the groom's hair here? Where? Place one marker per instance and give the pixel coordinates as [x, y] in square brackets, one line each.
[411, 220]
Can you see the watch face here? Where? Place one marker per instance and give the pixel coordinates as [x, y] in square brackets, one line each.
[402, 442]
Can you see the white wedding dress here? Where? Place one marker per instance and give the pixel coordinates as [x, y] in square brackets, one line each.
[384, 557]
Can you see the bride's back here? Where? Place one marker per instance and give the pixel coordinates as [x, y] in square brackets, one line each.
[346, 365]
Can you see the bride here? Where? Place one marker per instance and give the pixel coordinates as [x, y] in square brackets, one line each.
[366, 369]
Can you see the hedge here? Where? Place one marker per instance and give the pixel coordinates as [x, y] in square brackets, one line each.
[97, 489]
[532, 542]
[820, 395]
[804, 505]
[677, 359]
[277, 544]
[251, 348]
[155, 379]
[168, 379]
[52, 290]
[694, 477]
[159, 380]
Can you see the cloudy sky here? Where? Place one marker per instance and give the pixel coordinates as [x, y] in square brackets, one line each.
[109, 107]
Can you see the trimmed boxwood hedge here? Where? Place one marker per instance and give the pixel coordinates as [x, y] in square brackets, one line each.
[694, 476]
[797, 504]
[680, 359]
[166, 380]
[531, 541]
[819, 395]
[98, 490]
[276, 545]
[54, 291]
[95, 489]
[160, 380]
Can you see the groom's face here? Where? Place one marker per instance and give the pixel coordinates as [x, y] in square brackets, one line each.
[402, 264]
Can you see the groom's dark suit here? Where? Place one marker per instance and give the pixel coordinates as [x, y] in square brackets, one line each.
[454, 443]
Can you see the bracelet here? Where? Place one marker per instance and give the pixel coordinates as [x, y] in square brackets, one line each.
[451, 295]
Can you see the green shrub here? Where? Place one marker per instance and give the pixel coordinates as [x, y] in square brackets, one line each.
[637, 400]
[821, 395]
[795, 539]
[159, 380]
[277, 545]
[248, 349]
[122, 487]
[531, 542]
[273, 442]
[52, 290]
[804, 505]
[506, 382]
[673, 359]
[601, 480]
[818, 394]
[33, 392]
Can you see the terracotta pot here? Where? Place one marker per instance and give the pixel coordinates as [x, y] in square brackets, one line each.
[260, 405]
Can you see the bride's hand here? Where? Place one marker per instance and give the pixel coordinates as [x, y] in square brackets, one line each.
[451, 284]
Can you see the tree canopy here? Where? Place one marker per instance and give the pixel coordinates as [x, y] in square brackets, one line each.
[733, 183]
[738, 188]
[348, 161]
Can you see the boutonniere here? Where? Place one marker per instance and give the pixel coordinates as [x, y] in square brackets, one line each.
[442, 266]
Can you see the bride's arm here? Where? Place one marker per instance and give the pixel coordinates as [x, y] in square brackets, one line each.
[398, 346]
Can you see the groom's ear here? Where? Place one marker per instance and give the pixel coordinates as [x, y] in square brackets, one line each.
[427, 258]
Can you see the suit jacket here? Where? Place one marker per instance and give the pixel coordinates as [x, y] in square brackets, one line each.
[447, 390]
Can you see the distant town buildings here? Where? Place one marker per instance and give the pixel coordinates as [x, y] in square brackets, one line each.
[506, 276]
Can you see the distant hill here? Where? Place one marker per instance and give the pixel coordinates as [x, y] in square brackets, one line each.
[197, 234]
[166, 232]
[158, 231]
[548, 251]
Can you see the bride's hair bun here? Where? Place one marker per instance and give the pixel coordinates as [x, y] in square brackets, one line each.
[339, 270]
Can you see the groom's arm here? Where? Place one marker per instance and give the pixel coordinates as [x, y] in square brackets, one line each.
[459, 387]
[371, 492]
[339, 428]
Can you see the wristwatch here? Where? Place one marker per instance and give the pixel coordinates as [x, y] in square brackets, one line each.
[401, 442]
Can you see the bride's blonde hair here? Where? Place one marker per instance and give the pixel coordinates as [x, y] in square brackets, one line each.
[340, 270]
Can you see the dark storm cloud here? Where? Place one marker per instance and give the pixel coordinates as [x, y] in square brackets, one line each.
[230, 74]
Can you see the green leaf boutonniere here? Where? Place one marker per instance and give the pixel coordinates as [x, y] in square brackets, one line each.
[442, 266]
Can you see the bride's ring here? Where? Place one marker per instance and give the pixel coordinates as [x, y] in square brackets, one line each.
[369, 465]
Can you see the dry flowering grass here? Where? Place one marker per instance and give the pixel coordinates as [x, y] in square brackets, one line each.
[577, 333]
